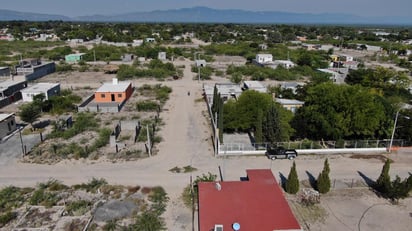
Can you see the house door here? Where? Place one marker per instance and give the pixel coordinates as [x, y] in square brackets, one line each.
[113, 98]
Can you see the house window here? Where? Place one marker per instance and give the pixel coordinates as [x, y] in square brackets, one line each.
[12, 123]
[103, 95]
[119, 95]
[8, 125]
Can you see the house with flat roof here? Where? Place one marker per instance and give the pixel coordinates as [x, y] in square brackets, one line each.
[335, 76]
[10, 91]
[73, 58]
[254, 85]
[4, 71]
[7, 125]
[47, 89]
[114, 91]
[226, 90]
[287, 64]
[255, 203]
[264, 58]
[290, 104]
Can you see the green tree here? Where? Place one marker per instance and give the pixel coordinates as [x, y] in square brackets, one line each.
[271, 127]
[29, 113]
[248, 105]
[383, 183]
[292, 183]
[323, 181]
[259, 130]
[342, 112]
[399, 189]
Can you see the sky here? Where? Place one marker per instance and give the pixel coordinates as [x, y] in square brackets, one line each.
[74, 8]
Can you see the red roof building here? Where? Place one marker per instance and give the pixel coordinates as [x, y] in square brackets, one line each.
[256, 203]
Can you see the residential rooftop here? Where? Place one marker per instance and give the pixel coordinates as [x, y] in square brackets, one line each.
[4, 116]
[40, 87]
[114, 86]
[256, 203]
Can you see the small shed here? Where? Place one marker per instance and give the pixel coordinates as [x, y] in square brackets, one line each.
[127, 57]
[200, 63]
[161, 56]
[74, 57]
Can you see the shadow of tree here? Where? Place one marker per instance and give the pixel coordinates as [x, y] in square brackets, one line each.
[371, 184]
[312, 180]
[283, 180]
[367, 180]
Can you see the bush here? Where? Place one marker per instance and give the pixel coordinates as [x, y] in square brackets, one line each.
[78, 208]
[42, 197]
[323, 181]
[292, 184]
[7, 217]
[147, 105]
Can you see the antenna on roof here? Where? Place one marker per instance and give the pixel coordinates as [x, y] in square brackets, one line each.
[236, 226]
[218, 186]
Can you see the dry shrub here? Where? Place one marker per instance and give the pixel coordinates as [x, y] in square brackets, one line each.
[133, 189]
[146, 190]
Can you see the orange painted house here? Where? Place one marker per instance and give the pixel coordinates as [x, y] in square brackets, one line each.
[113, 92]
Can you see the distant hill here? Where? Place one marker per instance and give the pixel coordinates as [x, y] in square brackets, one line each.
[208, 15]
[9, 15]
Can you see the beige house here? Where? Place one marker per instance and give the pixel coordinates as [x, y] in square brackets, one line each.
[290, 104]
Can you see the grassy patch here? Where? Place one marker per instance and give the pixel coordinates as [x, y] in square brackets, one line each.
[308, 214]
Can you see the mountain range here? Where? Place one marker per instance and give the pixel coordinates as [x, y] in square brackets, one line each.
[208, 15]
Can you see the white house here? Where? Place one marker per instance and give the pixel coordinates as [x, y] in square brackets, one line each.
[264, 58]
[150, 40]
[137, 42]
[284, 63]
[7, 125]
[48, 89]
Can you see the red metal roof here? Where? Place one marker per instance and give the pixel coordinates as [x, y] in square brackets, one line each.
[256, 204]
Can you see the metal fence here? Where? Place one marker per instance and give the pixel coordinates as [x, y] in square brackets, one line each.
[307, 144]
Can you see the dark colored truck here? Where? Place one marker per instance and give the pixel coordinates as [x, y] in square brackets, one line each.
[274, 153]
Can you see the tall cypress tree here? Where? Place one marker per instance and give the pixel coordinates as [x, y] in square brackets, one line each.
[323, 181]
[383, 183]
[271, 127]
[220, 119]
[215, 101]
[292, 184]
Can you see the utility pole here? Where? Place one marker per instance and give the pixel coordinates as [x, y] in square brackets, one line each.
[21, 141]
[148, 141]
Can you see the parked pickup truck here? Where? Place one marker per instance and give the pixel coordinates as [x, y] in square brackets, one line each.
[274, 153]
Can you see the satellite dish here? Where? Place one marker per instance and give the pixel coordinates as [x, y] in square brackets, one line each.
[236, 226]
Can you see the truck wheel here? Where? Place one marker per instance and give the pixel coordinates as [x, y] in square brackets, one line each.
[291, 157]
[273, 158]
